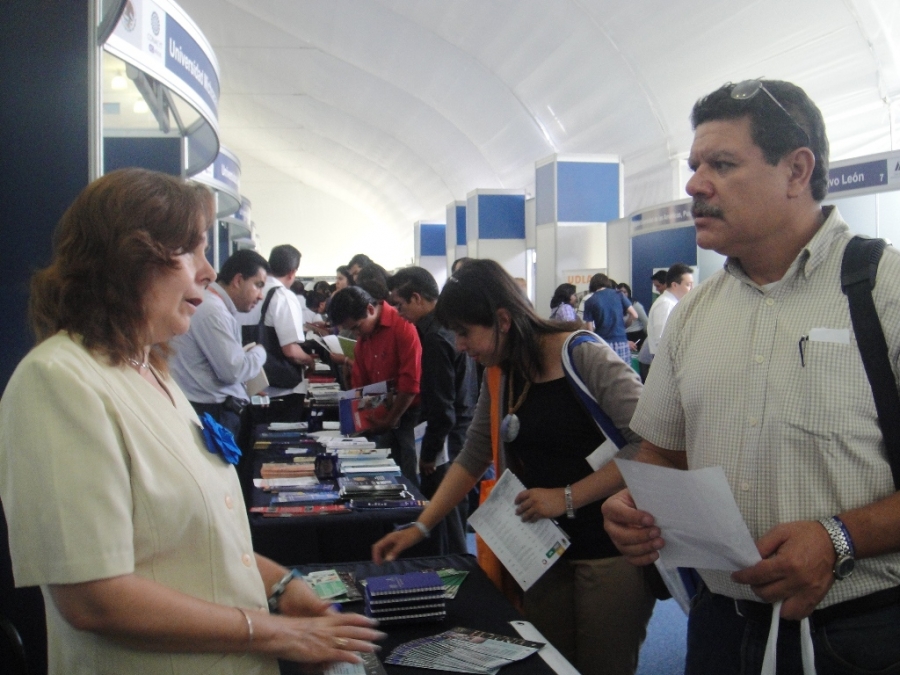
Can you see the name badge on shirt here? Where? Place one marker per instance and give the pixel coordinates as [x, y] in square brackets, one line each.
[839, 336]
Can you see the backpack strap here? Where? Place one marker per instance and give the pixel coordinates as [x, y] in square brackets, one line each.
[607, 426]
[859, 268]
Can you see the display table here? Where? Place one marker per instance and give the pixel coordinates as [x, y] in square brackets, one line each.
[478, 605]
[329, 538]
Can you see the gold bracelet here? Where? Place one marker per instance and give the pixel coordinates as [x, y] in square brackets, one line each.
[249, 626]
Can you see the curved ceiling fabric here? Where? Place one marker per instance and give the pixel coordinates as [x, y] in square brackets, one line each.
[398, 107]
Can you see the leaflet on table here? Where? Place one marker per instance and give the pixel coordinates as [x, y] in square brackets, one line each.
[527, 550]
[282, 483]
[287, 426]
[370, 666]
[463, 650]
[326, 583]
[696, 513]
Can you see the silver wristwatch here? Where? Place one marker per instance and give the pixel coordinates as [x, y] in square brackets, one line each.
[845, 562]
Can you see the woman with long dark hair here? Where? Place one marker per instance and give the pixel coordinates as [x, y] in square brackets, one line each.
[592, 604]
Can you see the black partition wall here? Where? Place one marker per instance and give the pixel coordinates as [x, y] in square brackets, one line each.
[43, 166]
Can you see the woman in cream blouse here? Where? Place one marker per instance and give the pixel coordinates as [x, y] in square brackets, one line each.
[135, 531]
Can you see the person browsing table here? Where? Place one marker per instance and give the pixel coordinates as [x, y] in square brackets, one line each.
[592, 605]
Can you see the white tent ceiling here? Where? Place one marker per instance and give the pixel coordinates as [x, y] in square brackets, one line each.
[355, 118]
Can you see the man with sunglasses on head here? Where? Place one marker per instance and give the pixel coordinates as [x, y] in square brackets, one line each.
[795, 430]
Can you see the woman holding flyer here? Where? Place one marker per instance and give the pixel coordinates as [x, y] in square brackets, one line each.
[592, 605]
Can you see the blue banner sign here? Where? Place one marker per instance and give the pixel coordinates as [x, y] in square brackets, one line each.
[223, 176]
[186, 60]
[676, 214]
[159, 39]
[858, 176]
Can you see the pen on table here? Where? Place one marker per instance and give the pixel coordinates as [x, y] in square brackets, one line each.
[803, 339]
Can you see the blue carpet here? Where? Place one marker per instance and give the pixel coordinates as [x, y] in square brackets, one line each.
[666, 644]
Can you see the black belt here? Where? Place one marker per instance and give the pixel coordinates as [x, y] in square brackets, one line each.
[761, 611]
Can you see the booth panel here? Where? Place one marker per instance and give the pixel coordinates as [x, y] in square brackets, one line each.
[437, 265]
[158, 154]
[587, 192]
[860, 212]
[510, 253]
[546, 275]
[659, 249]
[618, 253]
[580, 246]
[889, 216]
[224, 245]
[708, 262]
[545, 193]
[432, 241]
[501, 217]
[460, 225]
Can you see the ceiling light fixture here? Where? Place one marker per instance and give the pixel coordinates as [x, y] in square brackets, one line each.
[119, 82]
[140, 107]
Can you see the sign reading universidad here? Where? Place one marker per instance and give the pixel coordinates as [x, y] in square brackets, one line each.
[158, 38]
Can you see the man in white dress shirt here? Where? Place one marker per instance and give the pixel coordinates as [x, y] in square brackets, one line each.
[679, 280]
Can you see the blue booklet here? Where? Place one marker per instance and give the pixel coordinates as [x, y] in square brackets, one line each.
[411, 583]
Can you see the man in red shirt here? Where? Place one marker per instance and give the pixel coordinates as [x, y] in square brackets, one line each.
[387, 348]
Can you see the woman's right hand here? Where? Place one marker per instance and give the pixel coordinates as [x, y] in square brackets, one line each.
[392, 545]
[321, 640]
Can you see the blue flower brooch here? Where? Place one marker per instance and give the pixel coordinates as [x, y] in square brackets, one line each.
[219, 440]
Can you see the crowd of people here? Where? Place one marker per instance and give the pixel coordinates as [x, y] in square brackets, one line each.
[130, 517]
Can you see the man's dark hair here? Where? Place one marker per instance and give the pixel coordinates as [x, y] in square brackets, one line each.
[298, 287]
[675, 272]
[314, 299]
[374, 279]
[245, 262]
[599, 281]
[283, 260]
[659, 276]
[360, 259]
[348, 304]
[322, 287]
[411, 280]
[459, 262]
[770, 128]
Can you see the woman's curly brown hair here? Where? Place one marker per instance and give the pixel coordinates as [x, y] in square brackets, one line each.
[121, 233]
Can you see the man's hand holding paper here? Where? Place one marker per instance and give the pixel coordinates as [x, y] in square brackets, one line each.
[696, 514]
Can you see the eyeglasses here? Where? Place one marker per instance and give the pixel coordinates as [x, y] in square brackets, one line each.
[747, 89]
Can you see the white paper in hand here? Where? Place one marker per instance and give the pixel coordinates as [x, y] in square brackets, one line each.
[527, 550]
[696, 513]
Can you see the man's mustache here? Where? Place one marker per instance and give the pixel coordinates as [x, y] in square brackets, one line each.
[701, 209]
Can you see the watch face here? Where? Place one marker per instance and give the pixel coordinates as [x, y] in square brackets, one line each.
[844, 566]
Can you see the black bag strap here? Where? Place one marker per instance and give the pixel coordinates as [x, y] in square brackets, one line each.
[859, 268]
[259, 331]
[265, 306]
